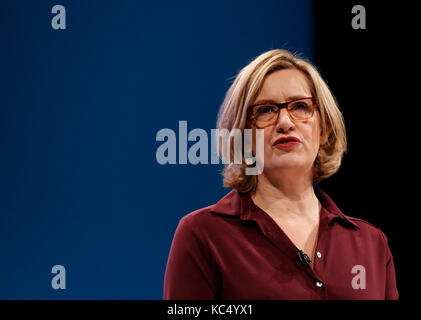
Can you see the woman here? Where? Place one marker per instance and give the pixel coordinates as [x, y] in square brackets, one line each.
[276, 235]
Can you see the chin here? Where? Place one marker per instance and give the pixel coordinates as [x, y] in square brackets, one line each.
[286, 161]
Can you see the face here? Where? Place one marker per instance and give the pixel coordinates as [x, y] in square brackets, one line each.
[283, 86]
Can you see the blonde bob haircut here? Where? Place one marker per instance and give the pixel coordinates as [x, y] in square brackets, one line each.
[245, 89]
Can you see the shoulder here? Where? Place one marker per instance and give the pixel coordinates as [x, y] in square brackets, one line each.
[366, 230]
[214, 221]
[369, 231]
[225, 210]
[197, 217]
[199, 223]
[197, 230]
[364, 224]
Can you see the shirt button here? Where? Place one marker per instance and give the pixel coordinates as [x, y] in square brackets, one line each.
[319, 255]
[319, 284]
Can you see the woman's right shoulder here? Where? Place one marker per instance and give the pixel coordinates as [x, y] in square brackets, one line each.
[217, 217]
[196, 228]
[197, 217]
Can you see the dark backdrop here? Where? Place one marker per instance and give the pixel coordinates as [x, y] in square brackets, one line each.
[370, 72]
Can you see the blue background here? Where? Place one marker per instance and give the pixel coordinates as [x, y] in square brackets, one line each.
[79, 111]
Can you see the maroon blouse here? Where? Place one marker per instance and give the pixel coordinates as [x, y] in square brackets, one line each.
[234, 250]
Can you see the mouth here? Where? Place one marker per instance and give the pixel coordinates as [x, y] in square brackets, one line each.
[286, 142]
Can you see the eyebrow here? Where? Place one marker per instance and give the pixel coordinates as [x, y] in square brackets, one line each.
[290, 98]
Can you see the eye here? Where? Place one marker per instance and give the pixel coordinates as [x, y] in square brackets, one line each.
[300, 105]
[265, 109]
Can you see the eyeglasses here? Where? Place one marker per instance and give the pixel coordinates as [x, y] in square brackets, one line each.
[267, 113]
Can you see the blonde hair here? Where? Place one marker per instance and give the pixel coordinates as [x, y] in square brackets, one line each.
[245, 89]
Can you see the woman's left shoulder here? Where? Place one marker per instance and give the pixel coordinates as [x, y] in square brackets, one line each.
[368, 228]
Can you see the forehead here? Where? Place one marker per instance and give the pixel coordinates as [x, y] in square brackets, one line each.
[282, 85]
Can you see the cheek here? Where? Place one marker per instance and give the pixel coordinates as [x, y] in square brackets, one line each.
[315, 137]
[267, 137]
[311, 134]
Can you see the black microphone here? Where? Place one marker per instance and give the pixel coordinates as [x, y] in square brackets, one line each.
[303, 258]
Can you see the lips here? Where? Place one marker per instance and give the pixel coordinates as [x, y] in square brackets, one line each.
[290, 140]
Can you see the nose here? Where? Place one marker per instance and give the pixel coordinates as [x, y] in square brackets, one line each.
[284, 123]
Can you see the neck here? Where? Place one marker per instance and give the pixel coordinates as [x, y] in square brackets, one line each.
[289, 197]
